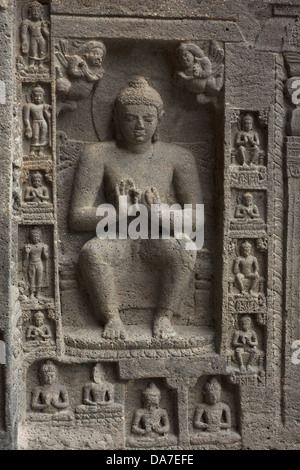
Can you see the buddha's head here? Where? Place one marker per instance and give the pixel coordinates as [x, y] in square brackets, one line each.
[48, 373]
[246, 248]
[98, 373]
[245, 323]
[247, 122]
[151, 396]
[247, 199]
[38, 95]
[35, 235]
[138, 111]
[37, 179]
[212, 391]
[38, 319]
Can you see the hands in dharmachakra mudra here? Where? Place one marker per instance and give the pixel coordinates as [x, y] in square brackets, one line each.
[148, 171]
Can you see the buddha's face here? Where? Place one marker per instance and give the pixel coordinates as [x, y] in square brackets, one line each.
[247, 200]
[138, 122]
[38, 97]
[36, 181]
[246, 249]
[245, 324]
[49, 376]
[35, 236]
[212, 396]
[39, 321]
[98, 374]
[247, 124]
[152, 401]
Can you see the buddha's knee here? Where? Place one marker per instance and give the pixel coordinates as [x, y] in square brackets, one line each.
[177, 254]
[98, 252]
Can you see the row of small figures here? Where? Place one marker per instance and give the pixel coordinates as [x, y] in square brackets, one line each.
[151, 421]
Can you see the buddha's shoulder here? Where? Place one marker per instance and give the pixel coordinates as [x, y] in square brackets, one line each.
[99, 150]
[173, 151]
[97, 147]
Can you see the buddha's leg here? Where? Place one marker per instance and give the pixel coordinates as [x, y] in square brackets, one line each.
[39, 274]
[239, 356]
[176, 265]
[35, 136]
[254, 154]
[43, 133]
[33, 52]
[242, 155]
[252, 358]
[254, 285]
[98, 260]
[239, 278]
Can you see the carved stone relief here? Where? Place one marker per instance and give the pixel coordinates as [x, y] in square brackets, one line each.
[121, 331]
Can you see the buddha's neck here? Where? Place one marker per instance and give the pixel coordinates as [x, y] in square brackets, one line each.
[138, 148]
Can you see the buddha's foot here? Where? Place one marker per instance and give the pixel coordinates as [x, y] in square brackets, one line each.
[253, 294]
[114, 330]
[162, 328]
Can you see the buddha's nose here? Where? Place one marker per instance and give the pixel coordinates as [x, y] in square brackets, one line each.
[140, 123]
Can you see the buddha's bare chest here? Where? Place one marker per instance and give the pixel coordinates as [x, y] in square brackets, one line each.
[144, 174]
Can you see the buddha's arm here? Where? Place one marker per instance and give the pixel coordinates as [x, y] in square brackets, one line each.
[46, 333]
[163, 427]
[226, 418]
[86, 395]
[30, 333]
[24, 37]
[136, 429]
[236, 343]
[45, 252]
[255, 212]
[35, 403]
[88, 179]
[256, 139]
[45, 195]
[239, 212]
[198, 423]
[28, 195]
[109, 395]
[253, 339]
[65, 400]
[255, 266]
[236, 266]
[240, 139]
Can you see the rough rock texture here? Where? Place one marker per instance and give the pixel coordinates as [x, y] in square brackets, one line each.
[140, 343]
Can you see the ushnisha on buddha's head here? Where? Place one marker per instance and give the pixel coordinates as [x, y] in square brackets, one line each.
[138, 110]
[212, 391]
[151, 396]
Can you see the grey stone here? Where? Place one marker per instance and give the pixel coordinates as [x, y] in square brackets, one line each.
[140, 343]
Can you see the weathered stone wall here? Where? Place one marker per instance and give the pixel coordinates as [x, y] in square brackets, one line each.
[137, 343]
